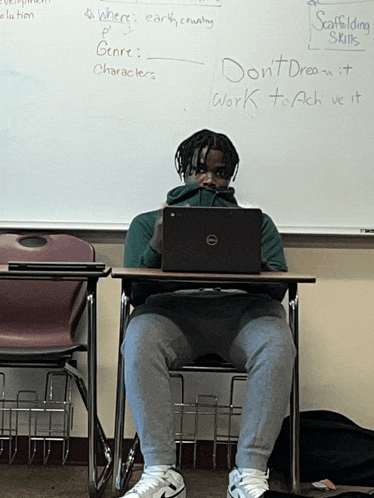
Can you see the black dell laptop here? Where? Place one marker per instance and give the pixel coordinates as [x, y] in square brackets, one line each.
[212, 239]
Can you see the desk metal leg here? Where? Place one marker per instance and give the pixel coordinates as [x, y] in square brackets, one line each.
[120, 474]
[294, 406]
[96, 483]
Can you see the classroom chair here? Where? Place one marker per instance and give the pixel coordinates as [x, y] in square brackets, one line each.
[39, 320]
[122, 465]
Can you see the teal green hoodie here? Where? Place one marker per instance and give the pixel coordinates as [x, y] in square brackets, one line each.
[139, 254]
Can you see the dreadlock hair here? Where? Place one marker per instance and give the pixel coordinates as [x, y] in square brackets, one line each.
[190, 152]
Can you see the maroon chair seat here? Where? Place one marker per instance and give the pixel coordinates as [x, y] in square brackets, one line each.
[38, 314]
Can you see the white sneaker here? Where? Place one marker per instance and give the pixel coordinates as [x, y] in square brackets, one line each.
[247, 483]
[159, 482]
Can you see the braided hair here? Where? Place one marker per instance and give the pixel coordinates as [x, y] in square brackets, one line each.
[190, 152]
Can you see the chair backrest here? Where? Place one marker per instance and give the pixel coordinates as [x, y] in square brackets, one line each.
[41, 313]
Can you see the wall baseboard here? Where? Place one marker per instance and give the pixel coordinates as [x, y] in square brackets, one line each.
[78, 453]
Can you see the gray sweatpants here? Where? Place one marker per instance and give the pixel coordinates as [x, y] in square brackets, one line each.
[173, 329]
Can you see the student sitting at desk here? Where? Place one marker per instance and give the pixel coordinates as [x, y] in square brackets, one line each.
[171, 326]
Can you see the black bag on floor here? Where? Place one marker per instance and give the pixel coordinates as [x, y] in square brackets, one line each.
[331, 447]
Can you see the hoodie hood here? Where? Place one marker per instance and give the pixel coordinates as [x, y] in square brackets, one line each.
[195, 195]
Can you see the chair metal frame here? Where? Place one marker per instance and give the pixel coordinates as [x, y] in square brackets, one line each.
[210, 363]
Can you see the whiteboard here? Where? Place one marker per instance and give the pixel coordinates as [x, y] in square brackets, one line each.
[97, 95]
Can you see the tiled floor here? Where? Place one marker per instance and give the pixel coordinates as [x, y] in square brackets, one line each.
[71, 482]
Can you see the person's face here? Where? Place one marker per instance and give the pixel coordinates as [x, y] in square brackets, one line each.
[213, 173]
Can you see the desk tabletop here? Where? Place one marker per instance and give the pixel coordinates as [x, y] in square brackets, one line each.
[6, 274]
[138, 274]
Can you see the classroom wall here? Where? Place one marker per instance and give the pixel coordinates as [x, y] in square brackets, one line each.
[336, 331]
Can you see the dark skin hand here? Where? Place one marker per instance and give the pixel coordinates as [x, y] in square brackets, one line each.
[156, 240]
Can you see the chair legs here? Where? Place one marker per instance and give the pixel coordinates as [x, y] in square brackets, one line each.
[49, 419]
[106, 472]
[122, 472]
[127, 465]
[124, 468]
[293, 310]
